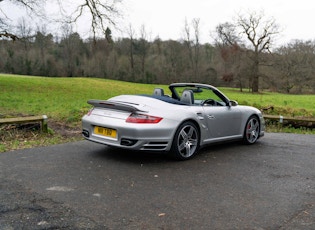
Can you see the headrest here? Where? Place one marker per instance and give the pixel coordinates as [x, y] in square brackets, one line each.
[187, 97]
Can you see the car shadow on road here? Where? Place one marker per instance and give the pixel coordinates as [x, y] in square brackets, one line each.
[149, 157]
[123, 155]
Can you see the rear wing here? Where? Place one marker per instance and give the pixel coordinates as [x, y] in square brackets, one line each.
[114, 105]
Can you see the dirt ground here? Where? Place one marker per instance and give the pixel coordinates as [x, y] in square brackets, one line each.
[20, 136]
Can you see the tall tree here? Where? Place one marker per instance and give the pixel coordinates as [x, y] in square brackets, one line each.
[143, 48]
[131, 34]
[193, 46]
[231, 52]
[73, 48]
[226, 34]
[296, 66]
[259, 32]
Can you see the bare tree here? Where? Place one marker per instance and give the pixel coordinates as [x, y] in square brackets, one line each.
[131, 34]
[33, 7]
[193, 46]
[101, 13]
[196, 45]
[226, 34]
[143, 49]
[259, 31]
[296, 66]
[231, 52]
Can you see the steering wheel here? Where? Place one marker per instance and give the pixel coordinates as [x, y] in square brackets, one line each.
[209, 102]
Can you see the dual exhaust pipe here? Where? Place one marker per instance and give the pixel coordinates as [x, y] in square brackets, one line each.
[86, 133]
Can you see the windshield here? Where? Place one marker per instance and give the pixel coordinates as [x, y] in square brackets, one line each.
[201, 94]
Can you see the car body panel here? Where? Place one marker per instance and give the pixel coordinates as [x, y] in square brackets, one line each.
[224, 121]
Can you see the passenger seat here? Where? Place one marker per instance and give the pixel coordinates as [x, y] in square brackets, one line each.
[158, 92]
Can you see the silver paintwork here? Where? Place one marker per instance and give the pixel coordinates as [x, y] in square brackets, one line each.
[217, 121]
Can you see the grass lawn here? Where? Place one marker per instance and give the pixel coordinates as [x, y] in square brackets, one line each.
[64, 100]
[61, 99]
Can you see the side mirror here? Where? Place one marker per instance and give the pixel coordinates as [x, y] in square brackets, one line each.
[233, 103]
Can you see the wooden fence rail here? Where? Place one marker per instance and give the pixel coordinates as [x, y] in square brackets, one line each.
[308, 122]
[18, 120]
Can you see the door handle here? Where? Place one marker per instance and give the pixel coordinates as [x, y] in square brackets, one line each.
[210, 116]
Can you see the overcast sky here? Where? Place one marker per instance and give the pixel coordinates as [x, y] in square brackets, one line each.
[166, 18]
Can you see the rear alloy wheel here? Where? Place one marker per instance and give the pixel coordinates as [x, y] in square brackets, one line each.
[186, 141]
[252, 130]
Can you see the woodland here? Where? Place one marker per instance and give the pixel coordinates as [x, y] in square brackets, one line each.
[241, 55]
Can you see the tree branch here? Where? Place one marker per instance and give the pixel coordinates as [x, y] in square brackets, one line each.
[8, 35]
[101, 14]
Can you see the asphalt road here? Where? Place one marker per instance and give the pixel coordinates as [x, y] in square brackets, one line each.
[82, 185]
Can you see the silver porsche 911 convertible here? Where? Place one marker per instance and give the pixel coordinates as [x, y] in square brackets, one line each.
[191, 116]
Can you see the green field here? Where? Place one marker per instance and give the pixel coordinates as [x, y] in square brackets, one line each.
[284, 104]
[64, 99]
[61, 99]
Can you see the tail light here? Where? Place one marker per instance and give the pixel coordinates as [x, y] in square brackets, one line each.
[143, 119]
[90, 111]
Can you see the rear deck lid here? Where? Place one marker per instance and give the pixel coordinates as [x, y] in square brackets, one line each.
[115, 105]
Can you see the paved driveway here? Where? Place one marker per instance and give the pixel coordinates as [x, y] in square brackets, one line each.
[82, 185]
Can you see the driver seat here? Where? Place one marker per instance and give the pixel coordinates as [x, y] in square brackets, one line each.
[187, 97]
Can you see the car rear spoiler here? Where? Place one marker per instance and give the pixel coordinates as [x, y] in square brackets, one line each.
[114, 105]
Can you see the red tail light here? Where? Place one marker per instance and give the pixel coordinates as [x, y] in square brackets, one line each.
[90, 111]
[143, 119]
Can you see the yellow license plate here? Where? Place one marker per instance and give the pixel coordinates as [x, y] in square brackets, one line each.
[105, 132]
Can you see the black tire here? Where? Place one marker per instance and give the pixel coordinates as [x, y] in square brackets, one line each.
[251, 131]
[186, 141]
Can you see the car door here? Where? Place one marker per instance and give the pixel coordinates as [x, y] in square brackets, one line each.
[223, 121]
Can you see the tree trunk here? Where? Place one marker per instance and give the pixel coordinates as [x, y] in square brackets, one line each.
[255, 87]
[255, 79]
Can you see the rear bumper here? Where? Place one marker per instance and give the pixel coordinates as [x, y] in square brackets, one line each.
[134, 144]
[150, 137]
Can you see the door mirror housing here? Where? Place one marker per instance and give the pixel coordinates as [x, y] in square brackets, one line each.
[233, 103]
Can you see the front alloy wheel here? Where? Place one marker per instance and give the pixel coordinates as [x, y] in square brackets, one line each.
[186, 141]
[252, 130]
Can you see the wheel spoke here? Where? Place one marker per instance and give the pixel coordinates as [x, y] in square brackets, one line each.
[181, 146]
[188, 150]
[252, 130]
[187, 141]
[190, 132]
[193, 142]
[183, 134]
[255, 126]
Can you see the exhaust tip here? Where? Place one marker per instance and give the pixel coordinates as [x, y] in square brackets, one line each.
[128, 142]
[86, 133]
